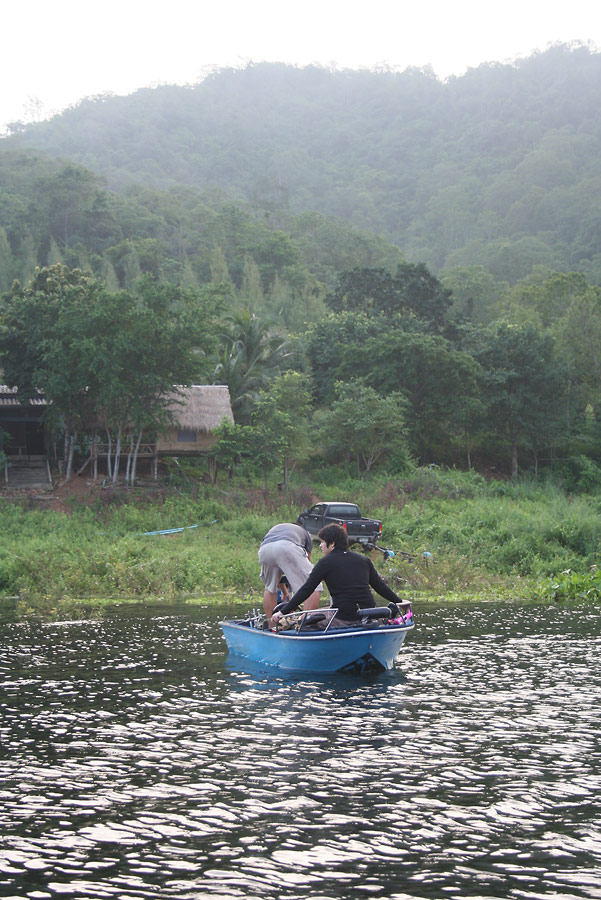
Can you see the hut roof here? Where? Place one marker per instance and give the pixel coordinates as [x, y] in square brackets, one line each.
[202, 407]
[9, 397]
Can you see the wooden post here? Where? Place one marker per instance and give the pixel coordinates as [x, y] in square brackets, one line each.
[95, 452]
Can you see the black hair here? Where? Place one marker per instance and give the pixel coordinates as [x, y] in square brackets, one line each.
[334, 534]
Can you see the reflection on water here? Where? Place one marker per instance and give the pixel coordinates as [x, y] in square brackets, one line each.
[138, 761]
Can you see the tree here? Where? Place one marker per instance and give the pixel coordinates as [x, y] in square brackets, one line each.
[251, 290]
[218, 266]
[38, 349]
[433, 376]
[27, 257]
[147, 346]
[233, 445]
[365, 290]
[413, 289]
[65, 200]
[523, 384]
[327, 343]
[476, 294]
[102, 357]
[547, 300]
[268, 442]
[578, 340]
[251, 353]
[365, 426]
[6, 262]
[424, 294]
[282, 416]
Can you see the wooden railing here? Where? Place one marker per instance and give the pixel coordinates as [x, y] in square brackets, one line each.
[101, 449]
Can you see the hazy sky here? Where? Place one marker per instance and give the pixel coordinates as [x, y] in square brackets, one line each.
[54, 52]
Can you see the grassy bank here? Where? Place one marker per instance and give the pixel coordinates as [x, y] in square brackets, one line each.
[455, 536]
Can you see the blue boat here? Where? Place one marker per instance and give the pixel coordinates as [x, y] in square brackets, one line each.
[307, 643]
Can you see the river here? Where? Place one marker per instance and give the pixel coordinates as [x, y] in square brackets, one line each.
[138, 761]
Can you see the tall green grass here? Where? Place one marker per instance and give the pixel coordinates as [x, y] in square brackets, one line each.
[454, 535]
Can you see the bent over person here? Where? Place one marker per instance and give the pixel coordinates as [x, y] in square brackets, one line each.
[348, 577]
[286, 549]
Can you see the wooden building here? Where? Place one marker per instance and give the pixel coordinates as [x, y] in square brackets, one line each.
[22, 431]
[24, 440]
[196, 412]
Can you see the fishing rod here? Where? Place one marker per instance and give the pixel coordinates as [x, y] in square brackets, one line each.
[390, 554]
[385, 551]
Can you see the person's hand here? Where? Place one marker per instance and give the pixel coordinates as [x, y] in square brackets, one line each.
[275, 619]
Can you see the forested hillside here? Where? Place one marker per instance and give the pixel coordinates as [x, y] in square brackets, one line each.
[55, 211]
[382, 268]
[498, 168]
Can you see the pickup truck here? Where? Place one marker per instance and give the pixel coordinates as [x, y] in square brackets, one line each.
[359, 530]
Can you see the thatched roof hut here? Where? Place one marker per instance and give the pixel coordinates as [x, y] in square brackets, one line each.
[197, 410]
[22, 429]
[9, 396]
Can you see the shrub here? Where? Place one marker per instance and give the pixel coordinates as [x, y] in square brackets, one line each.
[569, 585]
[580, 475]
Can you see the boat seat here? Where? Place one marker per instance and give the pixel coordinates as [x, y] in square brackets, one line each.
[376, 612]
[312, 619]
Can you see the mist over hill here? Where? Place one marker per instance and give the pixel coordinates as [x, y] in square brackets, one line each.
[500, 167]
[426, 255]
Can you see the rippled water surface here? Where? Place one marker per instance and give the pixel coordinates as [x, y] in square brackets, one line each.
[138, 761]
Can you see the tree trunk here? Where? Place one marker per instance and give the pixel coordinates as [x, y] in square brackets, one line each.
[82, 467]
[117, 459]
[109, 455]
[95, 446]
[368, 461]
[72, 442]
[213, 468]
[514, 457]
[129, 458]
[132, 474]
[66, 446]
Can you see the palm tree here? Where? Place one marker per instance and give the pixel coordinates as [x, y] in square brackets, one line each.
[252, 354]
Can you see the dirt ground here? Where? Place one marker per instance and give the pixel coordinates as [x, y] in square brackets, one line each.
[80, 488]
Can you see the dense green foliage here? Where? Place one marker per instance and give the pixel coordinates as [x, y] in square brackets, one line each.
[500, 167]
[380, 381]
[484, 540]
[386, 270]
[569, 585]
[248, 190]
[58, 211]
[101, 360]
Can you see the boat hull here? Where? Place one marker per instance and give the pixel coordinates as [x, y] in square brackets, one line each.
[352, 650]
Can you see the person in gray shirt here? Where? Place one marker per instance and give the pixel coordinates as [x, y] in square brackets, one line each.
[349, 578]
[286, 550]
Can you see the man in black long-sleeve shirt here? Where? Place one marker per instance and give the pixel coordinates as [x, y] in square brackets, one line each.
[348, 576]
